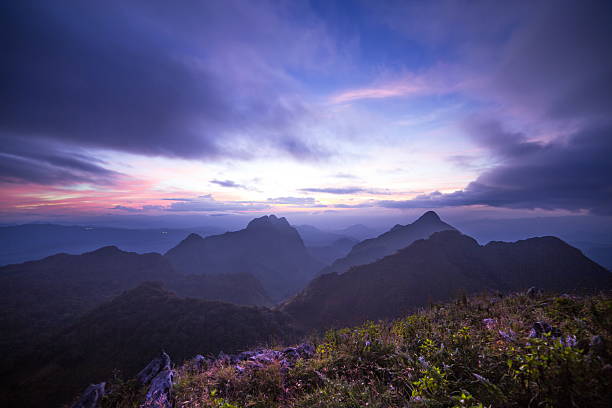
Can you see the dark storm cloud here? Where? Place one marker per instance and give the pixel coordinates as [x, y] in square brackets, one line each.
[572, 175]
[559, 63]
[148, 77]
[554, 73]
[46, 163]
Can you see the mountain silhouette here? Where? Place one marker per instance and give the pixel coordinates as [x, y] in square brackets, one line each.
[439, 268]
[127, 332]
[398, 237]
[42, 297]
[21, 243]
[268, 248]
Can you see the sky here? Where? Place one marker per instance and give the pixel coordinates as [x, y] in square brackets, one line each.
[317, 110]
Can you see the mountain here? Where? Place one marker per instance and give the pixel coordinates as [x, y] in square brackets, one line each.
[391, 241]
[439, 268]
[127, 332]
[600, 253]
[313, 236]
[357, 231]
[41, 297]
[27, 242]
[269, 248]
[329, 253]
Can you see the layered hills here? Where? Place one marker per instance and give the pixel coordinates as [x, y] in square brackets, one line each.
[398, 237]
[124, 333]
[439, 268]
[268, 248]
[42, 297]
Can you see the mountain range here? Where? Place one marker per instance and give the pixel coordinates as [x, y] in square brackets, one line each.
[268, 248]
[398, 237]
[440, 268]
[68, 320]
[21, 243]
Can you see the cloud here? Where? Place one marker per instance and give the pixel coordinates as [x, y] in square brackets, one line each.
[50, 164]
[126, 208]
[227, 183]
[403, 88]
[207, 203]
[572, 175]
[139, 77]
[356, 205]
[543, 73]
[301, 201]
[333, 190]
[347, 190]
[345, 175]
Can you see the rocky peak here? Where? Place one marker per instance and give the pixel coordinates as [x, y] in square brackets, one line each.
[269, 221]
[428, 217]
[193, 237]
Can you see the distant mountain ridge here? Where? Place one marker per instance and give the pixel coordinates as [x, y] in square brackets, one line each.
[269, 248]
[29, 242]
[439, 268]
[329, 253]
[398, 237]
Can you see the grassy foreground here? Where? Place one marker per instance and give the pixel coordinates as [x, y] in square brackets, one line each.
[474, 352]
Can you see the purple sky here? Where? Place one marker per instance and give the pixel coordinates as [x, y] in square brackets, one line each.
[346, 110]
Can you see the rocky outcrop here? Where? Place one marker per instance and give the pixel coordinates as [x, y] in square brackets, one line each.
[261, 357]
[159, 393]
[156, 365]
[541, 329]
[91, 396]
[160, 375]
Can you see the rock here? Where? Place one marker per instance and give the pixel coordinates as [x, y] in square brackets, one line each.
[158, 395]
[91, 396]
[228, 358]
[156, 365]
[597, 345]
[200, 362]
[260, 358]
[508, 336]
[304, 350]
[533, 292]
[540, 328]
[489, 323]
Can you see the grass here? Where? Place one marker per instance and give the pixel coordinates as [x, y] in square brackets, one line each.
[445, 356]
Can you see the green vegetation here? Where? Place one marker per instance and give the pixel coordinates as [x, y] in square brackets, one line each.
[475, 352]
